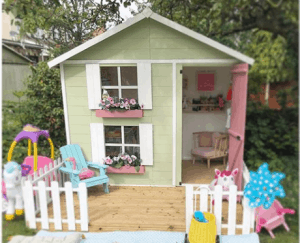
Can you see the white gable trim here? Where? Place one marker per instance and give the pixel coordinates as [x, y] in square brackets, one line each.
[147, 13]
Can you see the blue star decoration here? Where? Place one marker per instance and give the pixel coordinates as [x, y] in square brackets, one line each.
[264, 187]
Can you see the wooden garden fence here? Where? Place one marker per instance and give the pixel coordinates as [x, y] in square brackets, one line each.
[45, 187]
[197, 199]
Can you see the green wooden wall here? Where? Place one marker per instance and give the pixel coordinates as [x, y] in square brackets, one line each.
[160, 116]
[147, 39]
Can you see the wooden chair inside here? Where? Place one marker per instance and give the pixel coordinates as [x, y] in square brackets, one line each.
[217, 148]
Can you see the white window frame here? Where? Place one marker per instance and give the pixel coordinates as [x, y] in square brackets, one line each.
[119, 87]
[123, 144]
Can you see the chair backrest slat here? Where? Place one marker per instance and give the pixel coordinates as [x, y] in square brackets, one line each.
[73, 150]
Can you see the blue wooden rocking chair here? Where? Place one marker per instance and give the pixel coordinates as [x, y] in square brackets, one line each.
[74, 150]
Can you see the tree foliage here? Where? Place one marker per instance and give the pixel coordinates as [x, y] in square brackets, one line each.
[43, 106]
[266, 30]
[65, 23]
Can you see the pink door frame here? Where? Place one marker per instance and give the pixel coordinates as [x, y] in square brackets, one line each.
[238, 120]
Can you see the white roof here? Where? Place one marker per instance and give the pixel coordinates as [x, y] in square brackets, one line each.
[147, 13]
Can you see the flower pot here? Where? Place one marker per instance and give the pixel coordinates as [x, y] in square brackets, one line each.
[125, 170]
[120, 114]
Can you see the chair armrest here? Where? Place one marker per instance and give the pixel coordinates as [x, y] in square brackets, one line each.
[69, 171]
[97, 166]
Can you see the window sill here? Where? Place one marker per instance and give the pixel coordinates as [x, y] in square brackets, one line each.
[120, 114]
[125, 170]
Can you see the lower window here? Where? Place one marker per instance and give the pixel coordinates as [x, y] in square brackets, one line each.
[122, 139]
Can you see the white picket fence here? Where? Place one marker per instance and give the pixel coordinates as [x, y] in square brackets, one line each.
[197, 200]
[44, 187]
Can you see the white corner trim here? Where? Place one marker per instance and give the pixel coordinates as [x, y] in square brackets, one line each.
[202, 38]
[174, 118]
[64, 96]
[147, 13]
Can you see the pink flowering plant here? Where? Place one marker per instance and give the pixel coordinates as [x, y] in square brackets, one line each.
[116, 104]
[123, 160]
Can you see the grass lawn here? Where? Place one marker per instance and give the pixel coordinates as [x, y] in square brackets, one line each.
[281, 235]
[15, 227]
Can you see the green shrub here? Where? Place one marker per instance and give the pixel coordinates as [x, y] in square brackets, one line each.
[43, 108]
[272, 137]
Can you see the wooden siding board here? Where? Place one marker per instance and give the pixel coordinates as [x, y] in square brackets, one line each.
[77, 91]
[80, 120]
[162, 102]
[158, 81]
[78, 101]
[78, 110]
[74, 71]
[162, 91]
[75, 82]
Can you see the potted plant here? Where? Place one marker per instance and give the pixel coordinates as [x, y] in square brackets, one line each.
[123, 164]
[115, 107]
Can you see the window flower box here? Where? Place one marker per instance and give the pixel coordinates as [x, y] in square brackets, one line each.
[120, 114]
[125, 170]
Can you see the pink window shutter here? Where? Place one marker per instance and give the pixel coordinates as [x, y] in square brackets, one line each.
[206, 81]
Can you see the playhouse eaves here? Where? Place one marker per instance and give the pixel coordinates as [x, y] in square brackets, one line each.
[147, 13]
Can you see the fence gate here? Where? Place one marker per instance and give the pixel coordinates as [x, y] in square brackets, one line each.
[197, 200]
[39, 197]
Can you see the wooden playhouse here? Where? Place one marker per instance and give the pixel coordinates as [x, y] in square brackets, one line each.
[157, 61]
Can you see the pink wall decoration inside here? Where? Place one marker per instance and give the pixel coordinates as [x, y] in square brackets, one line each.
[206, 81]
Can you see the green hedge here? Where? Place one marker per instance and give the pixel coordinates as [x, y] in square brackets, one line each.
[272, 137]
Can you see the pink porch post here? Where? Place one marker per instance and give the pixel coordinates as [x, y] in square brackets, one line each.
[238, 120]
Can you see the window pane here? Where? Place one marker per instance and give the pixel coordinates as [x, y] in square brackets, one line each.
[128, 76]
[133, 151]
[113, 150]
[112, 92]
[130, 93]
[113, 134]
[109, 76]
[131, 135]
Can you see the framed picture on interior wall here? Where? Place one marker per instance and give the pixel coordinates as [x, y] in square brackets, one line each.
[185, 83]
[205, 81]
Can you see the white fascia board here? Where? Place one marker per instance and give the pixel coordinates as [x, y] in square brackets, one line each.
[96, 40]
[202, 38]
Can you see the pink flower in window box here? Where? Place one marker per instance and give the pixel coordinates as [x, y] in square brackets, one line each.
[133, 101]
[108, 160]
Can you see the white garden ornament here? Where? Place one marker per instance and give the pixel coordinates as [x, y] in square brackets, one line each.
[12, 176]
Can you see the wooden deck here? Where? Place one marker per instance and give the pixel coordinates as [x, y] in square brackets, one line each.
[135, 208]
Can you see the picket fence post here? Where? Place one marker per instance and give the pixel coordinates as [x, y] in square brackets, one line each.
[43, 205]
[83, 206]
[56, 205]
[218, 192]
[70, 205]
[232, 210]
[29, 205]
[188, 206]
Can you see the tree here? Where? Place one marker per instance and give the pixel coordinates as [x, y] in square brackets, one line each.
[266, 30]
[65, 23]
